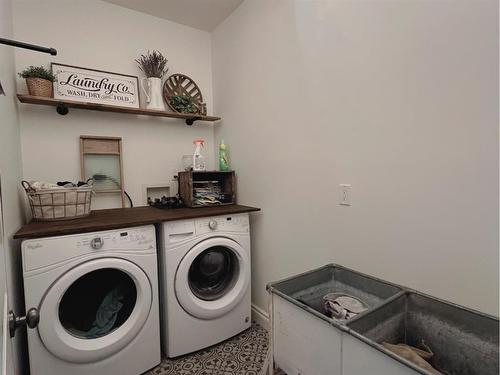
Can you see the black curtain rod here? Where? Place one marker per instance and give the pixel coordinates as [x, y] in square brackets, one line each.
[32, 47]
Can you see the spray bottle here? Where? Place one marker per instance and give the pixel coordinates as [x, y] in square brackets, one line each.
[198, 159]
[223, 157]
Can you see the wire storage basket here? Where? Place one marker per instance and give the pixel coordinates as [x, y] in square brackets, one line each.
[59, 204]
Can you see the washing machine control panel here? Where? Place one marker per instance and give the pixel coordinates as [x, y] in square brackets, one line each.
[232, 223]
[48, 251]
[127, 239]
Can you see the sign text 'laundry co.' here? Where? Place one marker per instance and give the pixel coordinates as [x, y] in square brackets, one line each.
[95, 86]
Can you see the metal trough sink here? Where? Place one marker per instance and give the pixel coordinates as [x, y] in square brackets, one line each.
[308, 289]
[464, 342]
[305, 340]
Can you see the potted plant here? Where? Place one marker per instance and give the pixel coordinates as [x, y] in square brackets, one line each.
[153, 65]
[182, 104]
[39, 80]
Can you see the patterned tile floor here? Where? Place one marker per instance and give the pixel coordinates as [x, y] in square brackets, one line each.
[245, 354]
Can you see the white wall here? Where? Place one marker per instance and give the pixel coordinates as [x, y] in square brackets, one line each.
[397, 98]
[10, 175]
[96, 34]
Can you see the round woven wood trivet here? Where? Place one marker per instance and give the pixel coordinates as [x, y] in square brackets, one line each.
[180, 84]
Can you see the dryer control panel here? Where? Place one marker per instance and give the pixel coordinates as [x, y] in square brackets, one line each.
[231, 223]
[176, 232]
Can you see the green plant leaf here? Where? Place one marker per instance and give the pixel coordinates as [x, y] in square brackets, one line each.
[37, 72]
[182, 104]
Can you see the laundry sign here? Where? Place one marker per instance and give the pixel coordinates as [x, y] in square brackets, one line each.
[95, 86]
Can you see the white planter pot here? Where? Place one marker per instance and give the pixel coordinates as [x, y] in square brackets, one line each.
[152, 90]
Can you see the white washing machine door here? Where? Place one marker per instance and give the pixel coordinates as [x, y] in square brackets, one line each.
[212, 278]
[94, 310]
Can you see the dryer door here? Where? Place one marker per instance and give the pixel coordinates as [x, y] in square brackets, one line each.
[94, 310]
[212, 278]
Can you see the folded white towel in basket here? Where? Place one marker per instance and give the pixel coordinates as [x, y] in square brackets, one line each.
[39, 185]
[65, 197]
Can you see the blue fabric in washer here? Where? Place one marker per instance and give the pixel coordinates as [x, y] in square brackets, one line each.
[106, 314]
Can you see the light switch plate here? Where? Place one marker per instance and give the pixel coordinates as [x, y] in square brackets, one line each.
[345, 195]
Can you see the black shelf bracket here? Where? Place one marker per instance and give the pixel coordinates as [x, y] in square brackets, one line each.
[62, 109]
[190, 121]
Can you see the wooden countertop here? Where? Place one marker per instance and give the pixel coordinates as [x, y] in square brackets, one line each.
[122, 218]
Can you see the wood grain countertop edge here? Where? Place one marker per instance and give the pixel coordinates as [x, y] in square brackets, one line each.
[118, 218]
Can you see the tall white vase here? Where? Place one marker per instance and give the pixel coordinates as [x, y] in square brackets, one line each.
[152, 90]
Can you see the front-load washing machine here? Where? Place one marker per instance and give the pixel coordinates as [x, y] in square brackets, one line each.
[204, 281]
[97, 299]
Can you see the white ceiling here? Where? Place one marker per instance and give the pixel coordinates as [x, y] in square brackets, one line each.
[201, 14]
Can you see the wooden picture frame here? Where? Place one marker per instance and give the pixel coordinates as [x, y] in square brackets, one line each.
[95, 86]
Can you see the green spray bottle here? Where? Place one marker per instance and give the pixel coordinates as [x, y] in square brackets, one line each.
[223, 158]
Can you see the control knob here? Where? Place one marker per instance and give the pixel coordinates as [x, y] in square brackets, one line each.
[96, 243]
[212, 224]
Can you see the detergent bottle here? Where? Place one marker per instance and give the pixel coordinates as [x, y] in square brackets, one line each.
[223, 157]
[198, 159]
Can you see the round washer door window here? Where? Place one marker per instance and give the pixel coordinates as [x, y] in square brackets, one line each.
[98, 303]
[212, 278]
[213, 273]
[94, 310]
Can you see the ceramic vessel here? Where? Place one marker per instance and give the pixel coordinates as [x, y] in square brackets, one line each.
[152, 90]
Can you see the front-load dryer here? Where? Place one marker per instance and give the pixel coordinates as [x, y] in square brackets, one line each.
[204, 281]
[97, 298]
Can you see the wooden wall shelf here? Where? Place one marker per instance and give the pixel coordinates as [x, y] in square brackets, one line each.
[62, 107]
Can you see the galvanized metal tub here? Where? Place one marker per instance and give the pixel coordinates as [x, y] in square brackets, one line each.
[304, 339]
[464, 341]
[306, 290]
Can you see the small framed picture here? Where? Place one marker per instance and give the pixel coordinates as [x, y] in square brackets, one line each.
[95, 86]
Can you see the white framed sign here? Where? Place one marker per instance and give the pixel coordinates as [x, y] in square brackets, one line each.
[95, 86]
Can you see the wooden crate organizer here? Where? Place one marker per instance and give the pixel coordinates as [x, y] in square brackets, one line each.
[188, 180]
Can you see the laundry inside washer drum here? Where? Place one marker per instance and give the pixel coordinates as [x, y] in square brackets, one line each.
[97, 303]
[213, 273]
